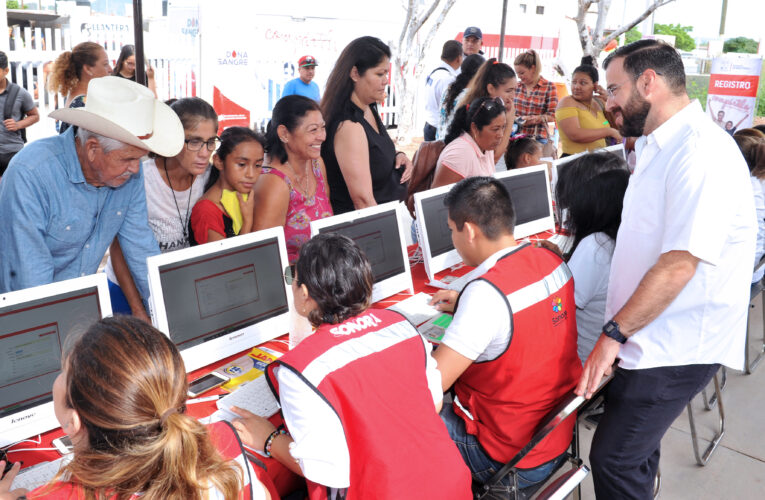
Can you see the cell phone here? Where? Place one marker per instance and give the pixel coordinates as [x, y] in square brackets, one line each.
[204, 384]
[63, 445]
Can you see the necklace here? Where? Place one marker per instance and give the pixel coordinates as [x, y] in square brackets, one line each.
[302, 183]
[185, 225]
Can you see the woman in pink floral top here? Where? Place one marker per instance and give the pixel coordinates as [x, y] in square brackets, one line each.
[292, 190]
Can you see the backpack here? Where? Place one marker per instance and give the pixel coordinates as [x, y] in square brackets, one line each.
[425, 162]
[10, 100]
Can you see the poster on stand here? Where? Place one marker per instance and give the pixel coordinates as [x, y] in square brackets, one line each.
[732, 96]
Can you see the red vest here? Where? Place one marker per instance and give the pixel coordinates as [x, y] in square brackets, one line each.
[507, 397]
[223, 437]
[372, 373]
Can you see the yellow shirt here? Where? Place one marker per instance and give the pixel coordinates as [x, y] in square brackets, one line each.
[586, 120]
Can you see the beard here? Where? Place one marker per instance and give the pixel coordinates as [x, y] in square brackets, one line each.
[633, 115]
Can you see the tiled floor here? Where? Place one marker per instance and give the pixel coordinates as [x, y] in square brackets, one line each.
[737, 469]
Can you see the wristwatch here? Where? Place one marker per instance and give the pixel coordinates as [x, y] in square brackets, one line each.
[611, 329]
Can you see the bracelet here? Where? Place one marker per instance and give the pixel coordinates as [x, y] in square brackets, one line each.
[399, 153]
[270, 440]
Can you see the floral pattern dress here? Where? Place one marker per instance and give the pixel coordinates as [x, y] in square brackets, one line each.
[302, 210]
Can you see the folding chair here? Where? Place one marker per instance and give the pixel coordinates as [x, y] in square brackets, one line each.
[703, 459]
[755, 291]
[556, 487]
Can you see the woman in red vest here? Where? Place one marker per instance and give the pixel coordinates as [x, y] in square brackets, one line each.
[361, 395]
[121, 398]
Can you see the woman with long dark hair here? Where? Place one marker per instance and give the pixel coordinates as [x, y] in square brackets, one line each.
[173, 186]
[363, 167]
[591, 191]
[125, 67]
[455, 92]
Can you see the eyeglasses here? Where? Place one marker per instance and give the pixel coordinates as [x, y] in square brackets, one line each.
[290, 274]
[611, 90]
[196, 144]
[488, 104]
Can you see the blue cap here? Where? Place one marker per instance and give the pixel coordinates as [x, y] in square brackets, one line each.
[473, 31]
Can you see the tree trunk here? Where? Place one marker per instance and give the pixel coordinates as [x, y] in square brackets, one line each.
[408, 55]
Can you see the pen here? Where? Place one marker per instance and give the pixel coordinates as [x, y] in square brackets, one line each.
[204, 400]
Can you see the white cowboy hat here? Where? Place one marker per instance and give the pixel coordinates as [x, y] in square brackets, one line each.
[126, 111]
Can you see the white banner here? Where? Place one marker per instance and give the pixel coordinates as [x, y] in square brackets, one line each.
[733, 88]
[247, 58]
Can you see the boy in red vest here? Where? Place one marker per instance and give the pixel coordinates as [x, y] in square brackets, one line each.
[510, 351]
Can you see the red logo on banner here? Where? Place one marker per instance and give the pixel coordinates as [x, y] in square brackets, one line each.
[734, 85]
[230, 114]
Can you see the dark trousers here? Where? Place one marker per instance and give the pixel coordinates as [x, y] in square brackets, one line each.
[429, 132]
[640, 407]
[5, 159]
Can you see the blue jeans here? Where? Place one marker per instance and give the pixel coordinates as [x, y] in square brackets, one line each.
[429, 132]
[119, 301]
[482, 465]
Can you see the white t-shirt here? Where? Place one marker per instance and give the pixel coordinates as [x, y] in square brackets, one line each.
[164, 220]
[320, 446]
[590, 264]
[691, 192]
[473, 333]
[435, 86]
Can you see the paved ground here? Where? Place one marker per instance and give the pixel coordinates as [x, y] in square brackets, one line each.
[737, 469]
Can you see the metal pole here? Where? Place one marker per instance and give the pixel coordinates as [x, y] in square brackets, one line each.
[722, 16]
[140, 64]
[502, 31]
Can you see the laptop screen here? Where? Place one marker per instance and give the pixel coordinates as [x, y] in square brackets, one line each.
[33, 336]
[436, 216]
[209, 296]
[378, 237]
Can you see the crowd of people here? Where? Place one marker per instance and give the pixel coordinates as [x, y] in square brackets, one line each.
[658, 274]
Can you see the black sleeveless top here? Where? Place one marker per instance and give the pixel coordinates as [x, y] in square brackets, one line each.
[386, 178]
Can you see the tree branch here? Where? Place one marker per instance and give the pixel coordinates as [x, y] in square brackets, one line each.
[432, 33]
[635, 22]
[407, 21]
[581, 25]
[415, 26]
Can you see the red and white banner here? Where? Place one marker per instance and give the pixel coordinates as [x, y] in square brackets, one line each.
[733, 88]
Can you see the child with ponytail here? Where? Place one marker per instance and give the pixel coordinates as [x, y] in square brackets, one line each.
[227, 208]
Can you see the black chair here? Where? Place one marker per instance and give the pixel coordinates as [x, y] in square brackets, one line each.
[557, 486]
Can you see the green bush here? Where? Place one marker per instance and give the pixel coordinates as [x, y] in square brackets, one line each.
[11, 4]
[633, 35]
[697, 87]
[683, 40]
[740, 44]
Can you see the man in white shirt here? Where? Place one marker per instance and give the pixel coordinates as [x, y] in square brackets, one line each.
[679, 284]
[436, 84]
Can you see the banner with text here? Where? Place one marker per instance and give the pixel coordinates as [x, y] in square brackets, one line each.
[252, 56]
[732, 93]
